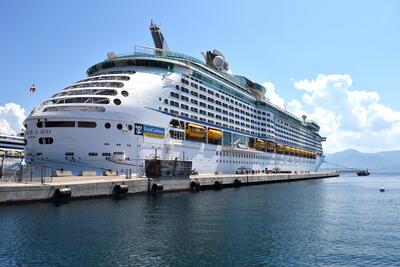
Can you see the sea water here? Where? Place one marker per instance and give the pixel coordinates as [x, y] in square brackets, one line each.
[335, 222]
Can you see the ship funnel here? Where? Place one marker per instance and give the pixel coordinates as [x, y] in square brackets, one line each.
[158, 37]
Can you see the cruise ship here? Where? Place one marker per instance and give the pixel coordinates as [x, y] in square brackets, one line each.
[11, 150]
[155, 103]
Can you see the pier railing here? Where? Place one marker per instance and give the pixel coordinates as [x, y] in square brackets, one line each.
[44, 174]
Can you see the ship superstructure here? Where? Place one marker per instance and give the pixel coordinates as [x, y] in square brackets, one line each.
[155, 103]
[11, 150]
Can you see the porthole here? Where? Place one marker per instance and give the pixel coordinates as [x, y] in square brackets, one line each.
[117, 101]
[46, 141]
[119, 126]
[125, 93]
[107, 125]
[130, 127]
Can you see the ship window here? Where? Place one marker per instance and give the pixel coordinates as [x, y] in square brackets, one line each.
[130, 127]
[92, 154]
[69, 153]
[117, 101]
[194, 85]
[202, 104]
[86, 92]
[185, 81]
[86, 124]
[166, 101]
[124, 93]
[211, 107]
[176, 135]
[60, 124]
[39, 124]
[185, 98]
[97, 84]
[210, 99]
[107, 125]
[185, 90]
[194, 93]
[75, 108]
[86, 100]
[194, 109]
[194, 101]
[45, 140]
[119, 126]
[202, 89]
[106, 154]
[101, 78]
[173, 94]
[173, 103]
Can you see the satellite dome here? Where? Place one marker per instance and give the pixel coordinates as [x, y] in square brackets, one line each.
[218, 61]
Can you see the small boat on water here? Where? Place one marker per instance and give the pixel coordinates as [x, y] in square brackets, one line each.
[363, 173]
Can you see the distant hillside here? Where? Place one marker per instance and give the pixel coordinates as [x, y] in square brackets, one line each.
[386, 160]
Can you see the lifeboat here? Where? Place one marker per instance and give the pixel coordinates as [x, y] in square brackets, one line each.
[259, 144]
[286, 149]
[214, 134]
[270, 146]
[279, 149]
[195, 131]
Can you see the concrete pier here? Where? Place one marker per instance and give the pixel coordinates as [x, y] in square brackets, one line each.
[100, 186]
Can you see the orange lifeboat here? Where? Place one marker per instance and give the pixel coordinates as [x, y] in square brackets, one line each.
[270, 146]
[279, 149]
[195, 131]
[259, 144]
[214, 134]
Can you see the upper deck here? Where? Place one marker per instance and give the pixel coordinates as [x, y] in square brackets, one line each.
[141, 52]
[153, 57]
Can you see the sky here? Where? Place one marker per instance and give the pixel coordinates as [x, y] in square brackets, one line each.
[338, 61]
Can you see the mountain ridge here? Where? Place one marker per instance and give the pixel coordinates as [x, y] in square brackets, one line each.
[354, 159]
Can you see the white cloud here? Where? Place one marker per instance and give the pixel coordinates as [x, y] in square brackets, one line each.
[272, 96]
[349, 118]
[11, 118]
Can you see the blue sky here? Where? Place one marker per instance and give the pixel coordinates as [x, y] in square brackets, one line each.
[52, 43]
